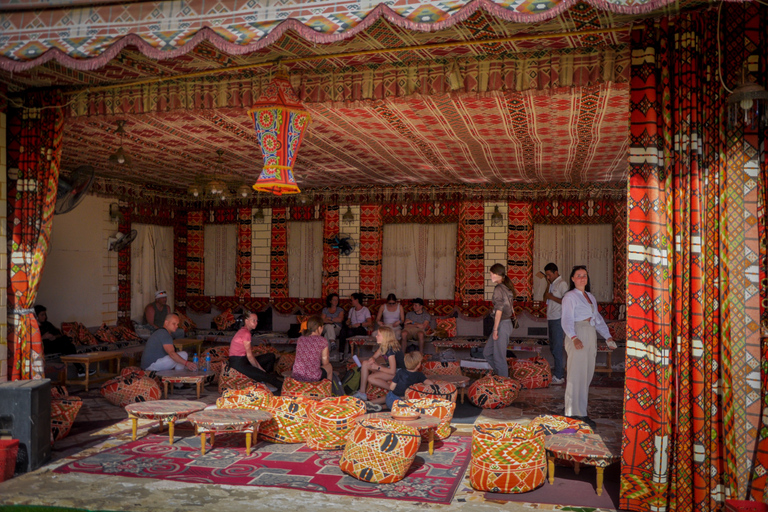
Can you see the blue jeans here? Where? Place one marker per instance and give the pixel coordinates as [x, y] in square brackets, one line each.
[556, 336]
[391, 399]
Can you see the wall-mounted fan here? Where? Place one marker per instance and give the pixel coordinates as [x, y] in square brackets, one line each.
[72, 190]
[344, 244]
[121, 241]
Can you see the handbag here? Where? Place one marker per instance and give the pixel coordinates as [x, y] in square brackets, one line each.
[515, 323]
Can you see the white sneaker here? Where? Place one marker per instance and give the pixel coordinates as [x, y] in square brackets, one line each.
[270, 387]
[362, 396]
[372, 407]
[555, 381]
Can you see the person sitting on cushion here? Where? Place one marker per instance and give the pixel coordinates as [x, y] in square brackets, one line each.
[359, 320]
[160, 354]
[381, 374]
[312, 362]
[405, 378]
[156, 312]
[416, 324]
[54, 342]
[241, 358]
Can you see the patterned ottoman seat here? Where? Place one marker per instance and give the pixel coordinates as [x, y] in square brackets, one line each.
[439, 390]
[548, 424]
[331, 420]
[374, 392]
[440, 368]
[507, 458]
[290, 421]
[229, 378]
[219, 359]
[380, 451]
[441, 409]
[133, 385]
[311, 390]
[531, 373]
[285, 363]
[64, 409]
[494, 392]
[254, 397]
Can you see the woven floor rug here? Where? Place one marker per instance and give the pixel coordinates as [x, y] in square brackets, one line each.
[431, 479]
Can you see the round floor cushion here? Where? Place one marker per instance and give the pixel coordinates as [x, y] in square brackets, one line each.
[531, 373]
[380, 451]
[507, 458]
[132, 388]
[255, 397]
[331, 420]
[439, 390]
[441, 368]
[550, 424]
[494, 392]
[440, 409]
[289, 422]
[229, 378]
[312, 390]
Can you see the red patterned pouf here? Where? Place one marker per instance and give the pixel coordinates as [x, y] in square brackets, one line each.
[229, 378]
[507, 458]
[374, 392]
[285, 363]
[122, 391]
[380, 451]
[219, 359]
[311, 390]
[255, 397]
[331, 420]
[135, 371]
[64, 409]
[494, 392]
[439, 368]
[548, 425]
[439, 390]
[290, 421]
[531, 373]
[440, 409]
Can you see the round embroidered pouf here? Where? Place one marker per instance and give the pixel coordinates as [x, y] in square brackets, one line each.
[219, 358]
[380, 451]
[312, 390]
[255, 397]
[507, 458]
[374, 392]
[441, 368]
[440, 409]
[331, 420]
[129, 389]
[229, 378]
[285, 363]
[494, 392]
[531, 373]
[548, 425]
[439, 390]
[64, 409]
[289, 422]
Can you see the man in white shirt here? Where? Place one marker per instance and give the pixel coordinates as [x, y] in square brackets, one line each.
[554, 297]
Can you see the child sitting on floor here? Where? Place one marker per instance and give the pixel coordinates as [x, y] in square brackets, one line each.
[406, 378]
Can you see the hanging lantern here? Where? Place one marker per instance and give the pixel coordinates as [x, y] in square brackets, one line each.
[280, 121]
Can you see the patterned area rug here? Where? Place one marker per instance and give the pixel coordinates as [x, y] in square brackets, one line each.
[431, 479]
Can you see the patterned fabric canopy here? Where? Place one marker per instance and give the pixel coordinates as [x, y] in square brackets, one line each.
[86, 37]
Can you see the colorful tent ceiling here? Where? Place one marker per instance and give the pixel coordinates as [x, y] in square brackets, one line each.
[578, 135]
[87, 37]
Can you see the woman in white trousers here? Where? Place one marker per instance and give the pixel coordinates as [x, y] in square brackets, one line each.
[581, 322]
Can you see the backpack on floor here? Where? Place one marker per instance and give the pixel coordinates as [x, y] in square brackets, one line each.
[351, 381]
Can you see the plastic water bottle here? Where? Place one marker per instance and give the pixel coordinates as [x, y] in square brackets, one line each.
[194, 360]
[207, 363]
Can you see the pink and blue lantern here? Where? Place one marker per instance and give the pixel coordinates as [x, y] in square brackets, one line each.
[280, 120]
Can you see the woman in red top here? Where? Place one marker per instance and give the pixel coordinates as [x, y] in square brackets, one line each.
[312, 362]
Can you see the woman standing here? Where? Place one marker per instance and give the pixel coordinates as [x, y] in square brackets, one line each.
[503, 311]
[312, 362]
[581, 322]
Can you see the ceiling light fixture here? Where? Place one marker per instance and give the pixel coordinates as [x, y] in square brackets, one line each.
[348, 217]
[258, 216]
[497, 219]
[748, 100]
[120, 157]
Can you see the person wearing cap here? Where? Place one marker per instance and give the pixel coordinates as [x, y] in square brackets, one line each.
[155, 313]
[416, 324]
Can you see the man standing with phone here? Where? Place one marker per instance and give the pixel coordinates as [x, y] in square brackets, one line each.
[554, 297]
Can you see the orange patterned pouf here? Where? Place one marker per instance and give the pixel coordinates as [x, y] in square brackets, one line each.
[254, 397]
[439, 390]
[439, 368]
[548, 424]
[290, 421]
[440, 409]
[122, 391]
[229, 378]
[64, 409]
[285, 363]
[219, 359]
[507, 458]
[331, 420]
[374, 392]
[531, 373]
[494, 392]
[312, 390]
[380, 451]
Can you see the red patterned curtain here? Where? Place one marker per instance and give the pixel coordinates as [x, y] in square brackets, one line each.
[371, 240]
[195, 253]
[278, 269]
[244, 243]
[520, 248]
[470, 252]
[330, 254]
[39, 159]
[692, 407]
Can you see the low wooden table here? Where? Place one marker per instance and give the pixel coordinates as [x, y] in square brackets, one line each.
[162, 410]
[182, 377]
[183, 343]
[228, 420]
[587, 449]
[86, 360]
[460, 381]
[355, 342]
[424, 422]
[133, 354]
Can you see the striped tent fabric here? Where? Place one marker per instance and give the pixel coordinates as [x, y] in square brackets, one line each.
[312, 390]
[380, 451]
[507, 458]
[331, 420]
[494, 392]
[441, 409]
